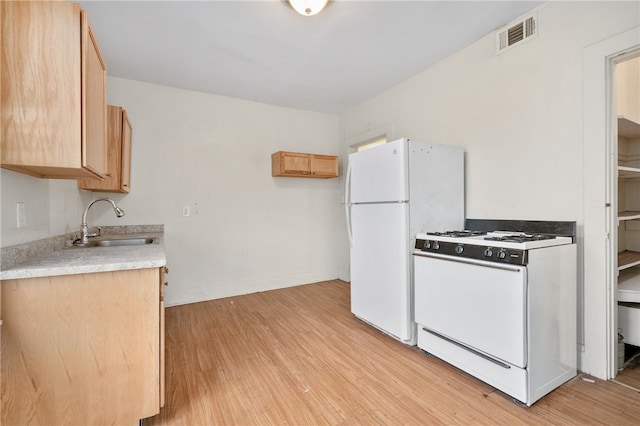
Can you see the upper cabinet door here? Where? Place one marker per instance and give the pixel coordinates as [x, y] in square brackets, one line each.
[94, 84]
[324, 165]
[118, 157]
[290, 163]
[125, 160]
[53, 81]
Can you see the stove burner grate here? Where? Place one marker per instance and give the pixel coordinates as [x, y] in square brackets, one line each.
[457, 234]
[521, 238]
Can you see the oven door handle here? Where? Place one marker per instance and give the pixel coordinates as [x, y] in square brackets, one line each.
[467, 348]
[469, 261]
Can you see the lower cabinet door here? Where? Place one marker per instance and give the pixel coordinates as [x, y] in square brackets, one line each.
[81, 349]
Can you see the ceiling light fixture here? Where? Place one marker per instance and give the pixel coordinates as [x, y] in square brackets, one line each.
[308, 7]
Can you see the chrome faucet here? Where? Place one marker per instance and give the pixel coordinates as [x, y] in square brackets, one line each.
[84, 229]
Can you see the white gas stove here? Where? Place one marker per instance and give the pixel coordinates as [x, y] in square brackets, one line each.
[498, 300]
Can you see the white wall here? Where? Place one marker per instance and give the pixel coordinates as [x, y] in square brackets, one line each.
[52, 207]
[519, 116]
[248, 231]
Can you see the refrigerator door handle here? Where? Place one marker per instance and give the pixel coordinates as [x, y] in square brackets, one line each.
[347, 203]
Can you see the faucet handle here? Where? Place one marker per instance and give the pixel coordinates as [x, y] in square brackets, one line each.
[95, 234]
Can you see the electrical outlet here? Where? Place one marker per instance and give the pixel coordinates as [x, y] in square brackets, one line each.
[21, 220]
[186, 211]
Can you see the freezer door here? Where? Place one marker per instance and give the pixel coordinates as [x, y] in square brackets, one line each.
[379, 174]
[380, 268]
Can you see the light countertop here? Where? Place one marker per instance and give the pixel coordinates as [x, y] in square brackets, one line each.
[84, 260]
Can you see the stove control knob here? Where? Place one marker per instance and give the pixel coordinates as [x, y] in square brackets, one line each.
[502, 254]
[427, 244]
[488, 252]
[459, 249]
[436, 246]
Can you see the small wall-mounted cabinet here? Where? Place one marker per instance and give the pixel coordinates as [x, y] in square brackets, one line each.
[297, 164]
[53, 85]
[118, 177]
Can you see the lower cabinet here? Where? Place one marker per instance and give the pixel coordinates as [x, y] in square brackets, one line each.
[163, 282]
[82, 349]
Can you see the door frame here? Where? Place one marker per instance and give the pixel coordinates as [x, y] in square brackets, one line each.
[599, 314]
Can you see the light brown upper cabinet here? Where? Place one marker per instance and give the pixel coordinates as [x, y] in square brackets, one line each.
[297, 164]
[119, 155]
[53, 92]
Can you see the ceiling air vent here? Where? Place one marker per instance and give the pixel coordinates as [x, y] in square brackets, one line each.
[516, 32]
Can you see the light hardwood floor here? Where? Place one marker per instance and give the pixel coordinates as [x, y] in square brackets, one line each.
[630, 375]
[298, 356]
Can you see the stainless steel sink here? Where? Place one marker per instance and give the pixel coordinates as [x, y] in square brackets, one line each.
[111, 242]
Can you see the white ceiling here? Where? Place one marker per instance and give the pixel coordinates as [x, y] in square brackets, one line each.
[264, 51]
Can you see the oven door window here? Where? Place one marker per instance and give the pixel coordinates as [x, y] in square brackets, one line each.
[479, 304]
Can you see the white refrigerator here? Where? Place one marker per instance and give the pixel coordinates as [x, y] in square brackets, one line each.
[392, 192]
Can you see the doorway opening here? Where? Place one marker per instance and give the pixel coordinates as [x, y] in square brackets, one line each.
[624, 148]
[597, 295]
[371, 143]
